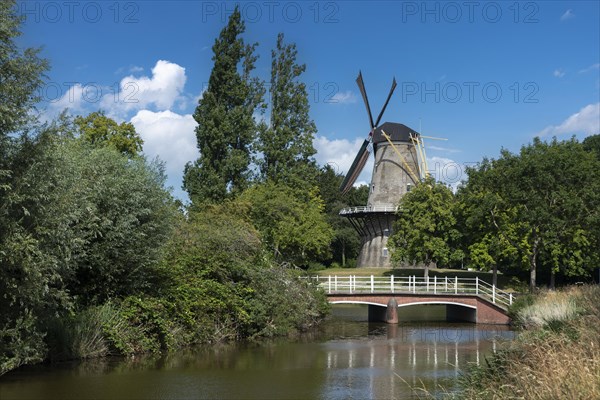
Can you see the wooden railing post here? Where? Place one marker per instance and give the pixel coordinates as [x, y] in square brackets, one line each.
[446, 286]
[510, 299]
[414, 284]
[476, 285]
[494, 294]
[435, 284]
[335, 283]
[392, 282]
[456, 285]
[372, 283]
[427, 283]
[329, 284]
[350, 283]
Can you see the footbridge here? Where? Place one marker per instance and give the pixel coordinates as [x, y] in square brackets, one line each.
[466, 299]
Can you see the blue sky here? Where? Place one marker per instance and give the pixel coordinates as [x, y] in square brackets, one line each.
[484, 75]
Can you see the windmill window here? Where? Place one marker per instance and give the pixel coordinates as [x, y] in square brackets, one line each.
[385, 252]
[372, 188]
[408, 187]
[386, 232]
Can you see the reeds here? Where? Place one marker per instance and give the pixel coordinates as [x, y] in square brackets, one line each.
[557, 356]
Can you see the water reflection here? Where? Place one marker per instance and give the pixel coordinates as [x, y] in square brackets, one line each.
[396, 358]
[348, 358]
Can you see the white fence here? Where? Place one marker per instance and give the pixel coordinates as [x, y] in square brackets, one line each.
[368, 209]
[412, 284]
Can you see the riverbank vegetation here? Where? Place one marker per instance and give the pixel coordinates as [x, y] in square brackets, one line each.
[555, 356]
[96, 256]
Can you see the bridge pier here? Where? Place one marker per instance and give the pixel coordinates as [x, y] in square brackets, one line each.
[387, 314]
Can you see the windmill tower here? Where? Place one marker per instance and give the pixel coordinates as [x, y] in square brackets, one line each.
[399, 166]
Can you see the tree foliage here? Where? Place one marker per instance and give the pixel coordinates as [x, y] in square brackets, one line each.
[217, 284]
[21, 73]
[345, 244]
[291, 223]
[225, 115]
[285, 145]
[426, 228]
[80, 225]
[592, 143]
[98, 129]
[539, 206]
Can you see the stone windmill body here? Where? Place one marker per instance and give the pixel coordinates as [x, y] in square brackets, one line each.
[399, 166]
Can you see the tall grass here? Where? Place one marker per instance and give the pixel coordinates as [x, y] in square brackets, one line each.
[81, 336]
[554, 307]
[557, 356]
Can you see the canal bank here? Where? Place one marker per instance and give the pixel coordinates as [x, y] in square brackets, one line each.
[555, 356]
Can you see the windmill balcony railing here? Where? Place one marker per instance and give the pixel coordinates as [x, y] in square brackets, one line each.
[333, 284]
[368, 209]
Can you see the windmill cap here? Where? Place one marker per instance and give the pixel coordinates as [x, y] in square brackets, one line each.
[396, 132]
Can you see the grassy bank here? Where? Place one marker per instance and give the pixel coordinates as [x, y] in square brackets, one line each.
[556, 356]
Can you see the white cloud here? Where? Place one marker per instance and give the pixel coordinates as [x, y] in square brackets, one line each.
[567, 15]
[586, 121]
[592, 67]
[559, 73]
[73, 99]
[169, 136]
[340, 153]
[134, 68]
[346, 97]
[440, 148]
[160, 91]
[447, 170]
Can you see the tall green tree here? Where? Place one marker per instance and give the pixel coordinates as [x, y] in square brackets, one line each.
[21, 78]
[21, 73]
[100, 130]
[285, 145]
[426, 228]
[225, 115]
[291, 222]
[542, 205]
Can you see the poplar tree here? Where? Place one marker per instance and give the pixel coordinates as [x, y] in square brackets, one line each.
[225, 115]
[286, 143]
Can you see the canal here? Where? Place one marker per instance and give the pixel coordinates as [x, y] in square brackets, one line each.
[346, 358]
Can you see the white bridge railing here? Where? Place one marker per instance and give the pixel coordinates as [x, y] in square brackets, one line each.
[412, 284]
[367, 209]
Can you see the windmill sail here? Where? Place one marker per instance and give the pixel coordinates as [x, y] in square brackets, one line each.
[363, 92]
[357, 166]
[386, 103]
[363, 154]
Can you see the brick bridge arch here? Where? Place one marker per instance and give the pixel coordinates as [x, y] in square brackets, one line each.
[384, 306]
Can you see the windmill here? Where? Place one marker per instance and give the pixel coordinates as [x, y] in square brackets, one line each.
[399, 165]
